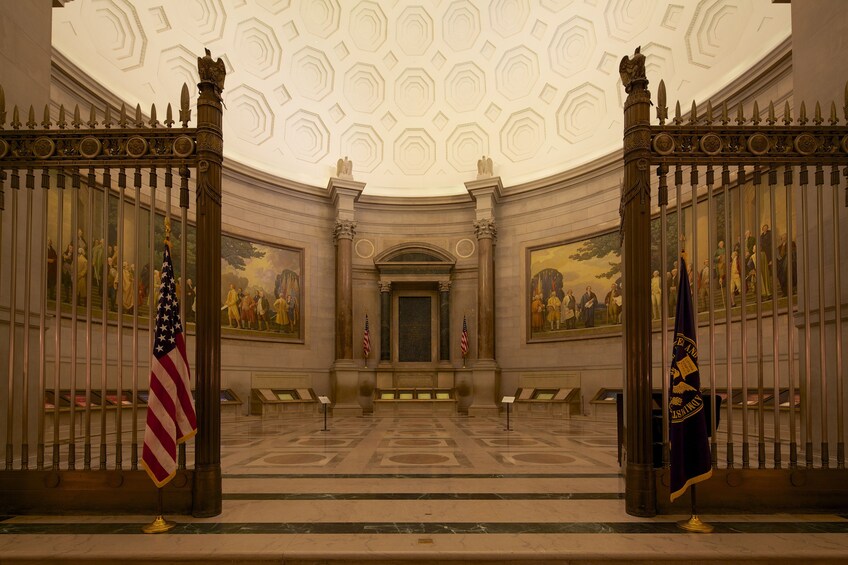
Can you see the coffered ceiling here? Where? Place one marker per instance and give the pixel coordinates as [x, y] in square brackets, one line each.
[416, 92]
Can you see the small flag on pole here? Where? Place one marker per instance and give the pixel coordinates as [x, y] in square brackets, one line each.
[463, 340]
[690, 447]
[366, 340]
[170, 409]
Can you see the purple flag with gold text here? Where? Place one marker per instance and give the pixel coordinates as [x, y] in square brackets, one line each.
[690, 446]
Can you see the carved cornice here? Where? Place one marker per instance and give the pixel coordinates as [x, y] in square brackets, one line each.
[344, 229]
[485, 186]
[344, 190]
[486, 229]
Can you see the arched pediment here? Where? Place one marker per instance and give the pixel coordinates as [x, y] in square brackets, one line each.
[414, 253]
[414, 257]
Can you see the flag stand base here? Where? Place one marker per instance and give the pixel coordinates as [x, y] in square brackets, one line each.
[694, 524]
[158, 526]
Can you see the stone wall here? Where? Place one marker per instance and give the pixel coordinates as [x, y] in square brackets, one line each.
[569, 206]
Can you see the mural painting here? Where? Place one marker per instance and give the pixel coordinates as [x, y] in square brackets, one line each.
[261, 290]
[574, 286]
[266, 279]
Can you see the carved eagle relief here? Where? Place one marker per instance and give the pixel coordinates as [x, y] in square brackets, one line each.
[632, 68]
[212, 71]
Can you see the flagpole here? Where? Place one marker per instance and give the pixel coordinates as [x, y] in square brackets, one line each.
[463, 342]
[366, 343]
[694, 523]
[690, 460]
[160, 524]
[167, 324]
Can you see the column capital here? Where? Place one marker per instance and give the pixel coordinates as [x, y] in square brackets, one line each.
[385, 286]
[444, 286]
[344, 229]
[486, 229]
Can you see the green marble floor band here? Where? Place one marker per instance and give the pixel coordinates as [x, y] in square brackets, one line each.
[209, 528]
[426, 496]
[423, 476]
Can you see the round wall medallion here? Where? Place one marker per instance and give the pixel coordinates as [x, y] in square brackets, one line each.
[43, 147]
[183, 146]
[711, 144]
[758, 144]
[806, 144]
[4, 148]
[664, 144]
[136, 146]
[465, 248]
[89, 147]
[364, 248]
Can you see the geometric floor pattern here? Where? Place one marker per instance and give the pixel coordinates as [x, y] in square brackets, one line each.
[423, 490]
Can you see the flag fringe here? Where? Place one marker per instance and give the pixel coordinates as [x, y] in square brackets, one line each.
[157, 482]
[694, 480]
[187, 437]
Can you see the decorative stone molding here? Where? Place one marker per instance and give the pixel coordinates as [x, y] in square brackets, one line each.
[385, 286]
[444, 286]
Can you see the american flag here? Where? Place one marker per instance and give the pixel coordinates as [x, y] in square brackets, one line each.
[170, 408]
[463, 340]
[366, 340]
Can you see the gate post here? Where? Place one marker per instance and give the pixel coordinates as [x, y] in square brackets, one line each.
[210, 155]
[635, 209]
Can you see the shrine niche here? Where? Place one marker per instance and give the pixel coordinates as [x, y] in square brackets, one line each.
[414, 285]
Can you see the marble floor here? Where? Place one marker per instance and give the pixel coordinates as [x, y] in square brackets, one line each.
[423, 490]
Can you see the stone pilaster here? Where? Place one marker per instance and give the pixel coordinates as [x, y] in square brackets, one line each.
[343, 234]
[444, 320]
[486, 373]
[486, 233]
[385, 321]
[344, 375]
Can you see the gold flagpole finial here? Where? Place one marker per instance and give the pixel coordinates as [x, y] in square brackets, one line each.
[168, 231]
